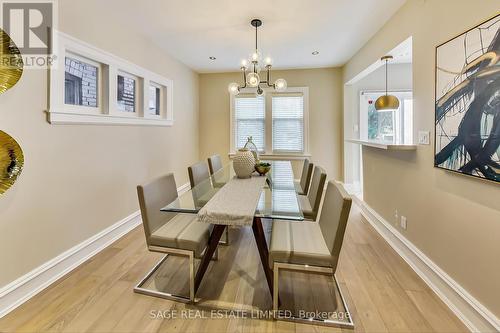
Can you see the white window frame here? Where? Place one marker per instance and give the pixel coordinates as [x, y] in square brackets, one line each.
[83, 108]
[249, 92]
[137, 93]
[162, 100]
[107, 112]
[268, 136]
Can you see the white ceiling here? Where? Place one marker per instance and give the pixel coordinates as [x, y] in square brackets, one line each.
[194, 30]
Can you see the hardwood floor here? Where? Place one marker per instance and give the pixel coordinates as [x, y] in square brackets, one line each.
[382, 292]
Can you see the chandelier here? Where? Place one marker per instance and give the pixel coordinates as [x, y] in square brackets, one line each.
[251, 69]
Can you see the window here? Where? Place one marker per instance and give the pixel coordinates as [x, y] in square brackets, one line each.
[91, 86]
[250, 120]
[80, 82]
[154, 99]
[395, 126]
[126, 92]
[277, 122]
[288, 123]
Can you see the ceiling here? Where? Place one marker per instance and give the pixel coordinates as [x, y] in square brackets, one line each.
[194, 30]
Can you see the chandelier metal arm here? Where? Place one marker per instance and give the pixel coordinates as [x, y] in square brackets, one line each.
[253, 70]
[244, 78]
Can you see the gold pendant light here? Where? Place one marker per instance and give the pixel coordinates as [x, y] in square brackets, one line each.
[11, 63]
[386, 102]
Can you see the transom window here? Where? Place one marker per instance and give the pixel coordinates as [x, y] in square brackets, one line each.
[126, 92]
[81, 81]
[277, 122]
[92, 86]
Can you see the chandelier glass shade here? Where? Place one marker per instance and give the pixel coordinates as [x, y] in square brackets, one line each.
[252, 70]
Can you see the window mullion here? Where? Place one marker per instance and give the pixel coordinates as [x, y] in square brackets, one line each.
[268, 124]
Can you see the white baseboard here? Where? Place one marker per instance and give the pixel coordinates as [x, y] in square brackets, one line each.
[470, 311]
[25, 287]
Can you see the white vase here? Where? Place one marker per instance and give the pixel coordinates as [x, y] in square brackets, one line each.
[244, 163]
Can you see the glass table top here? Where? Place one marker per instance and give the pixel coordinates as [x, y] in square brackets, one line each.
[278, 199]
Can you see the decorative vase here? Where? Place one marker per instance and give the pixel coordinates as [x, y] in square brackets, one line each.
[250, 145]
[243, 163]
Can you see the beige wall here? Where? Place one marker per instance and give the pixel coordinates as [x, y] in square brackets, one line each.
[325, 114]
[80, 179]
[453, 219]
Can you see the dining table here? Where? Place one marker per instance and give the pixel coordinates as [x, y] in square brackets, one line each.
[224, 200]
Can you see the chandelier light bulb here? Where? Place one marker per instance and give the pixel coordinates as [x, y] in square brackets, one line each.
[244, 63]
[268, 61]
[233, 88]
[280, 85]
[255, 56]
[253, 79]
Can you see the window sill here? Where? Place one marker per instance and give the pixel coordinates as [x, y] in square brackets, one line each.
[383, 145]
[71, 118]
[279, 156]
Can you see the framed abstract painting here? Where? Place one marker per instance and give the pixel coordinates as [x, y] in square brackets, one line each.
[467, 104]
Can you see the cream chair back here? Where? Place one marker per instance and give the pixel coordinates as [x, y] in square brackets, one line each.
[152, 197]
[305, 178]
[214, 163]
[333, 219]
[197, 173]
[316, 190]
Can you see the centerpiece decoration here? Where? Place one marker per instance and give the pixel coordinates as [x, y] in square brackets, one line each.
[262, 167]
[244, 163]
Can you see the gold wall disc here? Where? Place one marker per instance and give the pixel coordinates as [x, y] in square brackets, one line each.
[11, 63]
[11, 161]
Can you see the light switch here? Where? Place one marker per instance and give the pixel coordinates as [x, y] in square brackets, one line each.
[423, 137]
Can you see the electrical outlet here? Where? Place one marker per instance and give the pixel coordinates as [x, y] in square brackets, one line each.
[396, 216]
[403, 222]
[423, 137]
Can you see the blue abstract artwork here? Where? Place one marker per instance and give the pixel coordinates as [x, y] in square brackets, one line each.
[467, 106]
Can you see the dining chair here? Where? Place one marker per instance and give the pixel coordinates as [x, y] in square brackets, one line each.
[302, 186]
[309, 204]
[214, 163]
[198, 172]
[199, 176]
[312, 247]
[174, 234]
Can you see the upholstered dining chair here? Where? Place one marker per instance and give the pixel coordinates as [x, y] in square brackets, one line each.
[174, 234]
[302, 186]
[214, 163]
[198, 173]
[312, 247]
[309, 204]
[199, 176]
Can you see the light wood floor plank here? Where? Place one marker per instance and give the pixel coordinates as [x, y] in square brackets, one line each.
[382, 291]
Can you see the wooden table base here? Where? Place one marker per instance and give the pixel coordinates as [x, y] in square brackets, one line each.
[213, 242]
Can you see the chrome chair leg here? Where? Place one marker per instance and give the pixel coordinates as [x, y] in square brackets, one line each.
[156, 293]
[308, 320]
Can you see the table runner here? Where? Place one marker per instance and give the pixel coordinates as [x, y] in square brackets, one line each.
[234, 203]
